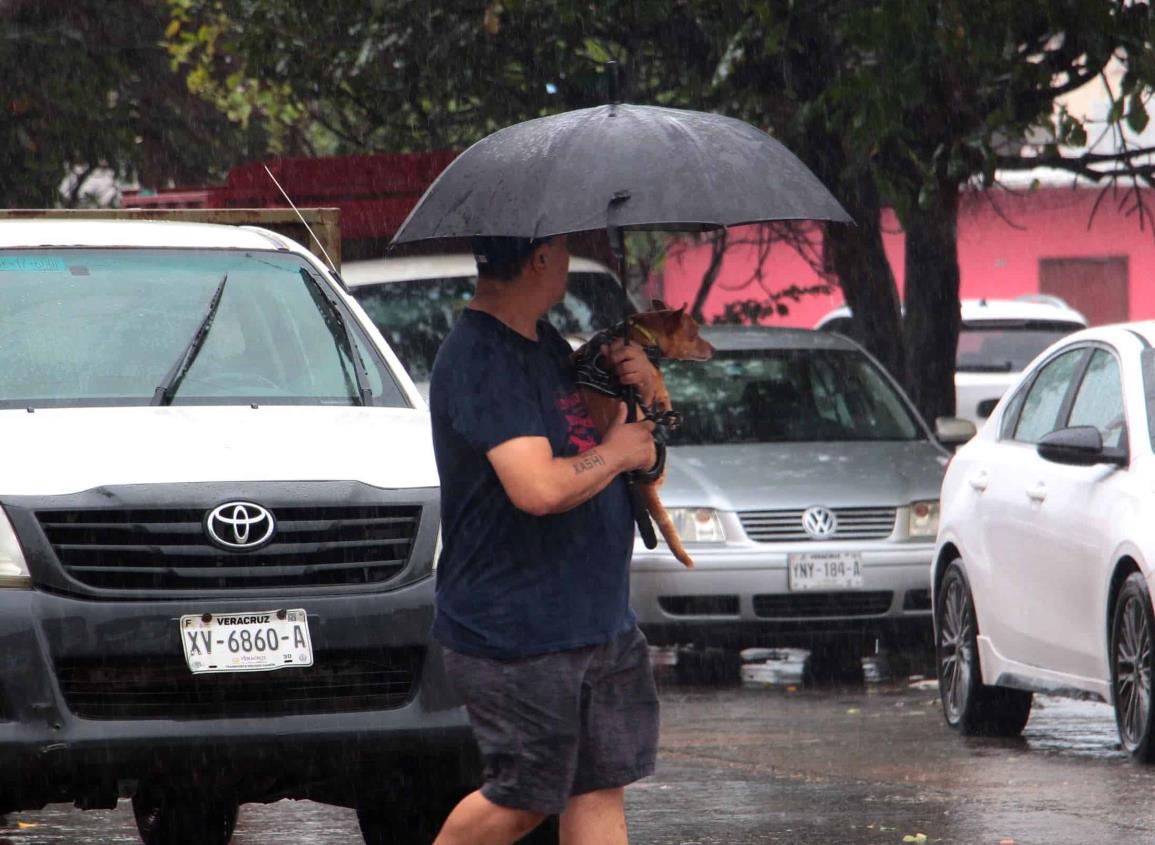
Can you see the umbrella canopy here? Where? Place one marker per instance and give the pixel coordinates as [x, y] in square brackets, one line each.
[619, 166]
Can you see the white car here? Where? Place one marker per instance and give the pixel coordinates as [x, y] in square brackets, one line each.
[1046, 543]
[997, 338]
[414, 300]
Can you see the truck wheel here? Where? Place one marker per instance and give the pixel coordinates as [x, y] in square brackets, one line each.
[164, 818]
[393, 825]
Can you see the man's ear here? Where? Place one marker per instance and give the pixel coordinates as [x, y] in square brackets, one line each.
[658, 305]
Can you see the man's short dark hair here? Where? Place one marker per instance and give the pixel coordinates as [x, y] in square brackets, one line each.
[502, 258]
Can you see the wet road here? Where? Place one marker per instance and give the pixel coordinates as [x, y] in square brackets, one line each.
[774, 764]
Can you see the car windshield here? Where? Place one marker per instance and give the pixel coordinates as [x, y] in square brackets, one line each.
[107, 326]
[416, 315]
[999, 348]
[785, 395]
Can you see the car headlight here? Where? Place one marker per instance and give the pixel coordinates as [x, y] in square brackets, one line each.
[698, 525]
[13, 569]
[923, 519]
[436, 550]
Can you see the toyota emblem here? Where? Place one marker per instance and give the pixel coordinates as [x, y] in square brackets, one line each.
[819, 523]
[239, 526]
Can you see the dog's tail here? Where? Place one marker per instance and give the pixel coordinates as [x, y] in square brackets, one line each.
[665, 524]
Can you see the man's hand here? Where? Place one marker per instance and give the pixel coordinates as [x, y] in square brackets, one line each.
[633, 442]
[633, 367]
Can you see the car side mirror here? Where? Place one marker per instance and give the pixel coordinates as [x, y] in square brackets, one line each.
[952, 431]
[1080, 445]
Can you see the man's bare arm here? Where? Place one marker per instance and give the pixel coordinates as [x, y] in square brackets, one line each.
[540, 484]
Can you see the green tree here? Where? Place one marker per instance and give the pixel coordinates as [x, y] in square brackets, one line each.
[943, 93]
[87, 85]
[897, 103]
[902, 104]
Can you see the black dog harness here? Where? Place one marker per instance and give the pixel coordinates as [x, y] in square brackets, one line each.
[592, 371]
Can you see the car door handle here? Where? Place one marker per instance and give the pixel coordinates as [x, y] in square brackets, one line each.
[1037, 493]
[980, 480]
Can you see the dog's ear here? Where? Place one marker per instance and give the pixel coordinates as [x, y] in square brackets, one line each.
[683, 308]
[658, 305]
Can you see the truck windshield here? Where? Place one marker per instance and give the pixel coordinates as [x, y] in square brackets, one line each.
[104, 326]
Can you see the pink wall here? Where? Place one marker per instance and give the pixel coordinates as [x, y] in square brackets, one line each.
[999, 252]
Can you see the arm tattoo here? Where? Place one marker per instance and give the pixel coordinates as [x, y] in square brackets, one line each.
[587, 461]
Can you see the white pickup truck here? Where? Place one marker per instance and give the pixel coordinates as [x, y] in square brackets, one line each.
[218, 527]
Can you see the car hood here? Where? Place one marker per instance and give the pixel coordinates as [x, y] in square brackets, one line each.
[57, 451]
[769, 476]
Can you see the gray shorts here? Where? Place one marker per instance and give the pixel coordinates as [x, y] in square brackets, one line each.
[561, 724]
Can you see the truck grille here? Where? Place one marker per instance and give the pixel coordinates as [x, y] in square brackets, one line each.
[167, 548]
[165, 689]
[786, 526]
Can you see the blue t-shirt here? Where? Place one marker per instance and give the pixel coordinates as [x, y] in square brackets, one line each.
[510, 584]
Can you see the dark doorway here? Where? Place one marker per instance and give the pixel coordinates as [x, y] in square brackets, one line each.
[1098, 287]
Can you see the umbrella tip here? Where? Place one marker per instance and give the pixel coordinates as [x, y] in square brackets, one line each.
[613, 78]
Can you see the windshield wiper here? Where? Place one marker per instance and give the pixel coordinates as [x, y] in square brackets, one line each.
[340, 330]
[172, 379]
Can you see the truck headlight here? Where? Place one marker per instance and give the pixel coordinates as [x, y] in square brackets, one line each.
[923, 519]
[13, 569]
[698, 525]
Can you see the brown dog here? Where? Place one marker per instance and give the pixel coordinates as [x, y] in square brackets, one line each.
[668, 334]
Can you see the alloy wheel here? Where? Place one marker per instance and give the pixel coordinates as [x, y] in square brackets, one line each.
[956, 652]
[1133, 672]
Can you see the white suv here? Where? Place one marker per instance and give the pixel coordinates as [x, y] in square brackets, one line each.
[997, 339]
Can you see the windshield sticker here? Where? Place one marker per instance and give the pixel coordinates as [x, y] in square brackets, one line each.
[32, 264]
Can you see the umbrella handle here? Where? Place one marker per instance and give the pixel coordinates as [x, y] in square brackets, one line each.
[641, 515]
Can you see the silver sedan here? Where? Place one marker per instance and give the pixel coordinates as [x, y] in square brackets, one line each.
[805, 486]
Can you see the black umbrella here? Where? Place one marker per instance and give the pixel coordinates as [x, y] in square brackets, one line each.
[619, 167]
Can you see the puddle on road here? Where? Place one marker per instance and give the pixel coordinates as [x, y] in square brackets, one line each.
[1072, 728]
[1066, 727]
[296, 822]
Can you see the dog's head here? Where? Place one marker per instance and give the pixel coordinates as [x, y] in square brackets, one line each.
[674, 331]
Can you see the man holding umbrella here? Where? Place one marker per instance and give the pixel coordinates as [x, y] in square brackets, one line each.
[533, 583]
[536, 523]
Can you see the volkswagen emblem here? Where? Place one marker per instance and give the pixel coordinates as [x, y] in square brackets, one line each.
[820, 523]
[239, 526]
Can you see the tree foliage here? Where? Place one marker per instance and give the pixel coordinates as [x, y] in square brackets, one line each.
[891, 102]
[349, 76]
[87, 85]
[902, 104]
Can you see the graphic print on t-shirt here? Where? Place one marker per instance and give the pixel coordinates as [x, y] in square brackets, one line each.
[583, 434]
